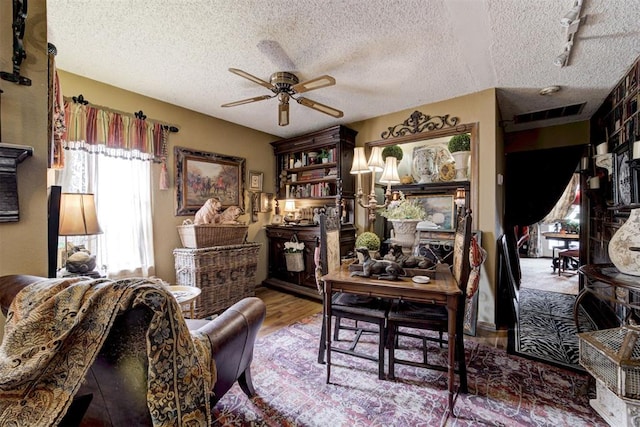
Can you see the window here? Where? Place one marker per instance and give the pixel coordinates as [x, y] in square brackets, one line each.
[122, 189]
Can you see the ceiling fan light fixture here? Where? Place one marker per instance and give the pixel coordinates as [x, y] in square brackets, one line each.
[285, 85]
[283, 109]
[549, 90]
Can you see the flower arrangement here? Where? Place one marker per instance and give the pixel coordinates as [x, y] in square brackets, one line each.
[403, 209]
[293, 247]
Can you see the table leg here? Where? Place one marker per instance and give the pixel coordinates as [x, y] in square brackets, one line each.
[451, 310]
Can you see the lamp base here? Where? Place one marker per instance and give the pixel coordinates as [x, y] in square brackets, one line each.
[95, 274]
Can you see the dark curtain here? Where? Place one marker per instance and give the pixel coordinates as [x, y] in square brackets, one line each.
[535, 180]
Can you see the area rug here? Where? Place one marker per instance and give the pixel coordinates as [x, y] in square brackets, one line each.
[546, 328]
[504, 390]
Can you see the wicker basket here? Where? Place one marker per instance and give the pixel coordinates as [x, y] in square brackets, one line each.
[207, 235]
[225, 274]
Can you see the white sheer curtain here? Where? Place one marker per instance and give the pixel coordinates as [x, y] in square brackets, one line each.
[122, 188]
[561, 209]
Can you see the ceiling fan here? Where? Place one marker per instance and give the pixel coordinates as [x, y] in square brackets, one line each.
[285, 86]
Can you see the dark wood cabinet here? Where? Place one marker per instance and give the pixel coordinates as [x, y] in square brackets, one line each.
[303, 282]
[312, 183]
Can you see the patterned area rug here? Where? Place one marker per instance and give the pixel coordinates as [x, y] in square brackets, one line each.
[546, 330]
[503, 390]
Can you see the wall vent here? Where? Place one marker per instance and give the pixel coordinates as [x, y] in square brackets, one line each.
[553, 113]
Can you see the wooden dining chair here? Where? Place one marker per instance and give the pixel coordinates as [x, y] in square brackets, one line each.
[369, 310]
[430, 317]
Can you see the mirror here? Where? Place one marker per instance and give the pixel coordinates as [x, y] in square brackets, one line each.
[424, 143]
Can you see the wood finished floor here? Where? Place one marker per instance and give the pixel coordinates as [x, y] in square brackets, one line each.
[284, 309]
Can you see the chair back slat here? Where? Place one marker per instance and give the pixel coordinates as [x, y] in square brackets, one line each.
[327, 256]
[461, 245]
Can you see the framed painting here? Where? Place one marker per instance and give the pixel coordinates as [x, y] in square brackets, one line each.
[255, 181]
[201, 175]
[440, 209]
[622, 182]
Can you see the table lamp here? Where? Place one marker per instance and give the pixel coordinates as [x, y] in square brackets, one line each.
[78, 217]
[289, 208]
[460, 198]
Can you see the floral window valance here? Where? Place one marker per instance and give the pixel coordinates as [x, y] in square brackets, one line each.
[104, 131]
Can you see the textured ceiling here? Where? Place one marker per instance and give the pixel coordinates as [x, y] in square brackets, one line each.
[385, 55]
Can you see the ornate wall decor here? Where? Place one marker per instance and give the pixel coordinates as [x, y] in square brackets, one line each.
[418, 122]
[19, 18]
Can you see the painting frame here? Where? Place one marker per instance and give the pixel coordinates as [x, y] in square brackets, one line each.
[438, 204]
[223, 177]
[255, 181]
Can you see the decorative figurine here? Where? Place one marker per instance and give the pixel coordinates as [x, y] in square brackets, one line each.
[384, 269]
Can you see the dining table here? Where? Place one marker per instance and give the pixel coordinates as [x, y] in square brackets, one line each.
[565, 239]
[441, 289]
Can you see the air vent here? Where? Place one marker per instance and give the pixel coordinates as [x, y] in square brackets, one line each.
[553, 113]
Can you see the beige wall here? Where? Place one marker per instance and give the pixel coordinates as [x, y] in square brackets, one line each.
[23, 244]
[197, 131]
[475, 108]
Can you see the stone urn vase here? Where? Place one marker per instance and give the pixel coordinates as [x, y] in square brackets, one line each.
[462, 163]
[624, 246]
[404, 234]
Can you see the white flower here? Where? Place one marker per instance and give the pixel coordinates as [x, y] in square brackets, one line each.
[292, 247]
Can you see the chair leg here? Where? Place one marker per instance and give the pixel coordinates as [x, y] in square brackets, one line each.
[391, 344]
[462, 364]
[336, 330]
[246, 383]
[322, 345]
[381, 345]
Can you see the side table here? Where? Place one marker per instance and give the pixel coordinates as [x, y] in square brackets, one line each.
[186, 295]
[609, 297]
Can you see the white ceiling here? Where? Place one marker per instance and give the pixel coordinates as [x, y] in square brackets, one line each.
[386, 55]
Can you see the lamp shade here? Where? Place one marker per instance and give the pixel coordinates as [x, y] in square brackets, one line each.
[359, 165]
[376, 164]
[390, 172]
[78, 215]
[289, 206]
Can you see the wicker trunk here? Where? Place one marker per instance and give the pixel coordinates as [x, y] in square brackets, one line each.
[225, 274]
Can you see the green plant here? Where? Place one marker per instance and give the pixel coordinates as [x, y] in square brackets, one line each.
[403, 209]
[324, 154]
[461, 142]
[368, 240]
[392, 151]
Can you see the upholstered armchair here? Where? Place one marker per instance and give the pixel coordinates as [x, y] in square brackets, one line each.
[114, 391]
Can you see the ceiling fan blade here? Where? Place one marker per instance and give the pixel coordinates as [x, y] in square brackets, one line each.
[248, 100]
[317, 83]
[320, 107]
[283, 114]
[252, 78]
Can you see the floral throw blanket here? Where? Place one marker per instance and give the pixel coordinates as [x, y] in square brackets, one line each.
[55, 329]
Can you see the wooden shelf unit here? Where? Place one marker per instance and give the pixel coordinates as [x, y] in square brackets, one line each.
[605, 209]
[311, 184]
